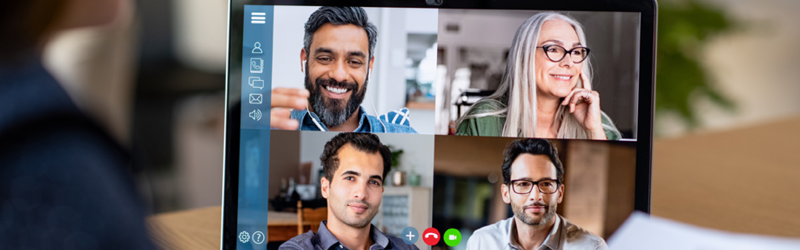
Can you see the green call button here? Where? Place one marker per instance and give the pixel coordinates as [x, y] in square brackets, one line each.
[452, 237]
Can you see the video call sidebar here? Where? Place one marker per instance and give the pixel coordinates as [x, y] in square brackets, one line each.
[255, 131]
[257, 67]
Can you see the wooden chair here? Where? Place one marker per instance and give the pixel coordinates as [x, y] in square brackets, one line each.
[310, 216]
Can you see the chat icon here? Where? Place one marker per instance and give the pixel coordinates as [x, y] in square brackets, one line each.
[255, 82]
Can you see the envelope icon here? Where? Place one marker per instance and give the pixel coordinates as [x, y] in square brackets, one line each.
[256, 98]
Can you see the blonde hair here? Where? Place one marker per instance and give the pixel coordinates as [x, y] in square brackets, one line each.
[516, 97]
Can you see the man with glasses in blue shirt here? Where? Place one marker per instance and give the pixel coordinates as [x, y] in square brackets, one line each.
[533, 186]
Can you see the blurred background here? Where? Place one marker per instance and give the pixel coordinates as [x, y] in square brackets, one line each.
[156, 79]
[726, 113]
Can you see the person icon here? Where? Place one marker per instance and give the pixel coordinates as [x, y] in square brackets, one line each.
[257, 49]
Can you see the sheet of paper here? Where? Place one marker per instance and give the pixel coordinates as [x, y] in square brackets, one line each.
[643, 231]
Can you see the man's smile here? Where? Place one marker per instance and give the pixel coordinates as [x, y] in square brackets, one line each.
[335, 92]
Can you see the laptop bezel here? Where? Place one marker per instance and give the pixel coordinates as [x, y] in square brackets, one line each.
[646, 95]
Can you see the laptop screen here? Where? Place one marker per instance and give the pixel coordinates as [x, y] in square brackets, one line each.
[492, 118]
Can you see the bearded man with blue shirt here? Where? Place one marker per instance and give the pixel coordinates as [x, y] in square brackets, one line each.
[337, 58]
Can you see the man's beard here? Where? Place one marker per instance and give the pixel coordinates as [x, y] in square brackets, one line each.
[330, 111]
[341, 213]
[549, 213]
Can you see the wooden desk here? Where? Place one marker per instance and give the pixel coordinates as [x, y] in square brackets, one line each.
[191, 229]
[199, 228]
[698, 179]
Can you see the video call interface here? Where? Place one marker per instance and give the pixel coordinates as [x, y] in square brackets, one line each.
[491, 118]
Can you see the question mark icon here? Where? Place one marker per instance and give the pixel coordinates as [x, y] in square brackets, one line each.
[258, 237]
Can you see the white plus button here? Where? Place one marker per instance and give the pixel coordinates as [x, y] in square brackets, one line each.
[410, 235]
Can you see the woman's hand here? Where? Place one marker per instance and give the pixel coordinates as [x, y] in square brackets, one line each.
[584, 104]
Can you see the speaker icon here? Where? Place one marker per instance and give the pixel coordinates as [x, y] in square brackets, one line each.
[255, 114]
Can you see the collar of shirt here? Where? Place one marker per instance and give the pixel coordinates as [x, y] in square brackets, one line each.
[328, 241]
[306, 123]
[550, 243]
[366, 123]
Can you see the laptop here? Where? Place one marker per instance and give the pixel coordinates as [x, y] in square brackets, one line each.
[493, 112]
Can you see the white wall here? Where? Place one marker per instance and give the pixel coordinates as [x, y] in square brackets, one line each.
[418, 152]
[422, 116]
[286, 45]
[475, 24]
[422, 21]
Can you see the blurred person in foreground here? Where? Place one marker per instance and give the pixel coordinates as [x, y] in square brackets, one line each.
[64, 182]
[533, 184]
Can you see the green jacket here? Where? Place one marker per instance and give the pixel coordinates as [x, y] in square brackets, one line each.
[493, 125]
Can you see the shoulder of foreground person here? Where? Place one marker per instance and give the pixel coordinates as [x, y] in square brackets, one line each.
[64, 183]
[67, 188]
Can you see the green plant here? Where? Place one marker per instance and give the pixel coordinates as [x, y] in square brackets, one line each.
[684, 28]
[396, 153]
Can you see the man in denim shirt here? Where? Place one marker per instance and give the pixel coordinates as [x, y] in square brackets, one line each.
[337, 58]
[355, 167]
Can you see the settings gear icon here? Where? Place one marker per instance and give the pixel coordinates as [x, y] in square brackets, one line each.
[244, 237]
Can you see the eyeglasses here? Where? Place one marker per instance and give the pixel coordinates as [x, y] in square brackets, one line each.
[546, 186]
[556, 53]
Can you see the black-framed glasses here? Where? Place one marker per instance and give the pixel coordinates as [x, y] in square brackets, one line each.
[556, 53]
[545, 186]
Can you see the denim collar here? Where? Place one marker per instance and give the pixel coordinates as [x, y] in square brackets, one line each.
[366, 123]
